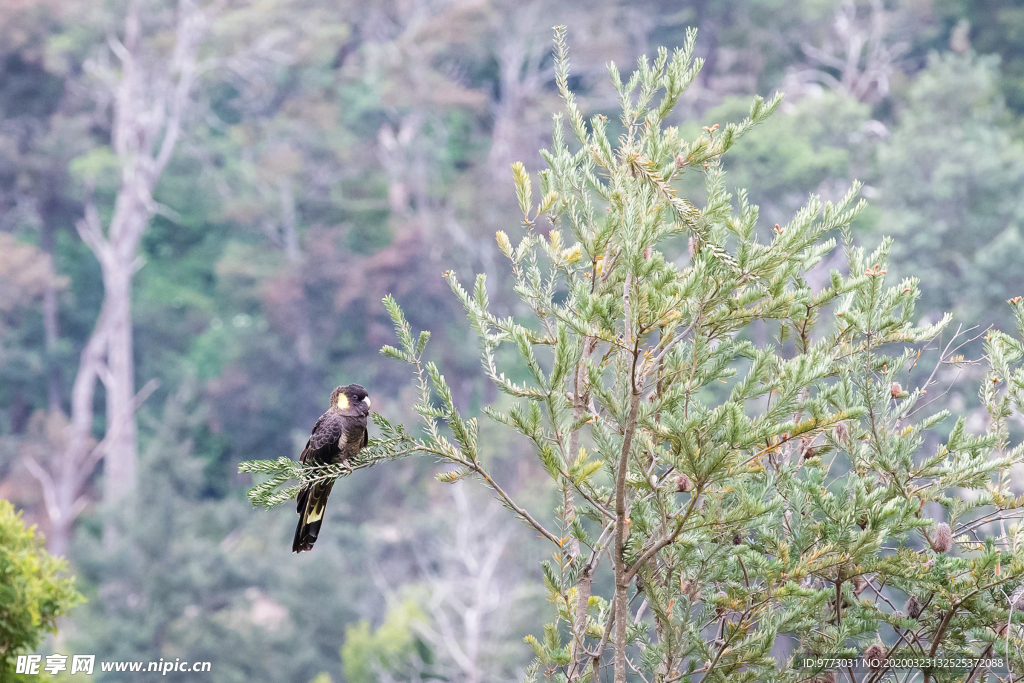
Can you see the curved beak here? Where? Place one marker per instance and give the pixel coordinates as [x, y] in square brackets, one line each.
[366, 400]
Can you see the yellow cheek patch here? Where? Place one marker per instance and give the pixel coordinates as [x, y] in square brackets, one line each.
[342, 401]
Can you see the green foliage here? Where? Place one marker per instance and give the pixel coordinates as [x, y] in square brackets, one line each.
[34, 591]
[98, 166]
[743, 492]
[993, 27]
[815, 145]
[950, 179]
[350, 161]
[392, 647]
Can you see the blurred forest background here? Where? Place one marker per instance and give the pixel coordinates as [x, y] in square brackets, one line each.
[201, 206]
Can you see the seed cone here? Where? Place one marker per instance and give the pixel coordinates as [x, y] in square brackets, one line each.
[913, 607]
[873, 655]
[942, 538]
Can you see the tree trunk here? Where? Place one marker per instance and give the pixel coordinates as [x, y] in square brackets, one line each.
[51, 325]
[59, 537]
[120, 462]
[148, 105]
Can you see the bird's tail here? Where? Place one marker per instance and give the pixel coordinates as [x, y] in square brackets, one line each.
[312, 502]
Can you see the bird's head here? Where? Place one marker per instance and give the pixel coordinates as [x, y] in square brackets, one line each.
[350, 396]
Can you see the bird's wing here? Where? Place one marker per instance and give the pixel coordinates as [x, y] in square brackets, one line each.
[322, 446]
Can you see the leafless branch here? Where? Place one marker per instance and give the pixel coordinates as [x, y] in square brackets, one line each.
[47, 485]
[100, 449]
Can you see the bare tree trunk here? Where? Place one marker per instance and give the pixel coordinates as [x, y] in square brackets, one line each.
[858, 53]
[303, 331]
[51, 326]
[466, 598]
[61, 479]
[122, 450]
[520, 77]
[293, 252]
[394, 149]
[150, 96]
[289, 222]
[149, 105]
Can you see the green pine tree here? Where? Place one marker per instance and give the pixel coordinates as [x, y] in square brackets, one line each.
[726, 507]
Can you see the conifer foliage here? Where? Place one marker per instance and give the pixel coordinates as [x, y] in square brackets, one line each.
[726, 506]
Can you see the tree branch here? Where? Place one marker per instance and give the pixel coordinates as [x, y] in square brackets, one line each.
[53, 510]
[100, 449]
